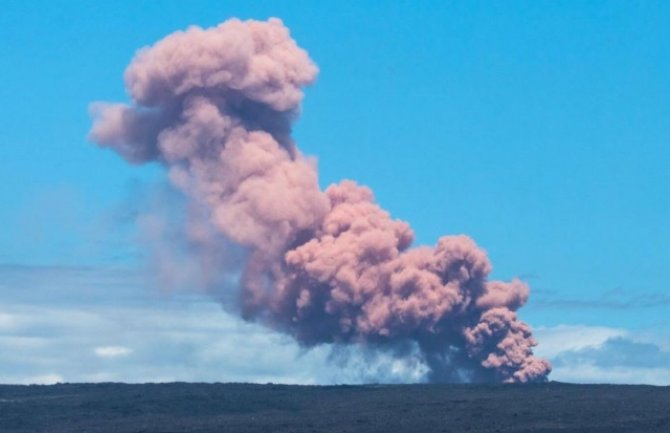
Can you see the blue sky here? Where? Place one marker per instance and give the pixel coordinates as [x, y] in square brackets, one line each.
[538, 128]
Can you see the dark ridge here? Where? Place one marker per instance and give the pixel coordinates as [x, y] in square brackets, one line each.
[245, 408]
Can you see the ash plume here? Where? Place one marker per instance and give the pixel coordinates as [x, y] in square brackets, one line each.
[215, 107]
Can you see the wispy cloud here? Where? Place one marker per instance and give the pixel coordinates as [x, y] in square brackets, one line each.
[37, 285]
[615, 299]
[112, 351]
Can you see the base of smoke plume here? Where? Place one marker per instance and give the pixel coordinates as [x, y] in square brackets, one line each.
[157, 212]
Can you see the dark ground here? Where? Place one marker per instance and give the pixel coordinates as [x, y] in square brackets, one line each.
[181, 407]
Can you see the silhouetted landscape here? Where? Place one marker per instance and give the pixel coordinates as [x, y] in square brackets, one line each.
[186, 407]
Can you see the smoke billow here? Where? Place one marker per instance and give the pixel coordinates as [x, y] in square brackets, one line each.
[215, 108]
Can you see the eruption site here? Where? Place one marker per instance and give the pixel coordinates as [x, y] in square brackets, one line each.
[215, 107]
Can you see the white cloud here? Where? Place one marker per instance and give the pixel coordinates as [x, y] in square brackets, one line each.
[596, 354]
[112, 351]
[169, 341]
[562, 338]
[7, 321]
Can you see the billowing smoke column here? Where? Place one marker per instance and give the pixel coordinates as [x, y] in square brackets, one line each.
[215, 107]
